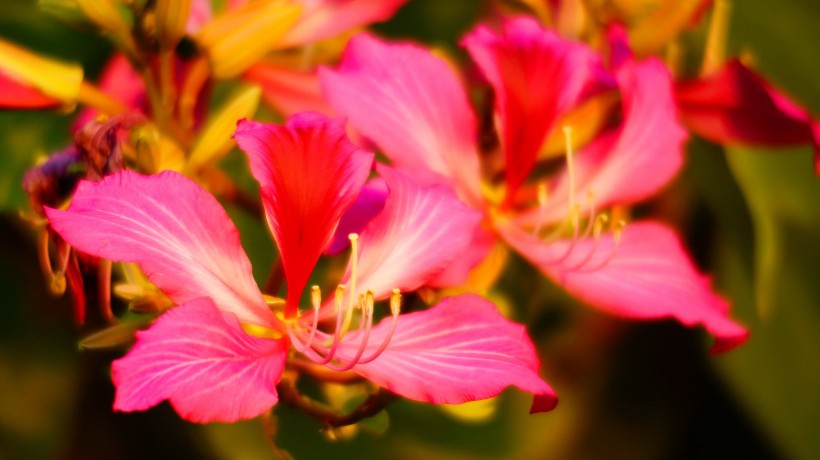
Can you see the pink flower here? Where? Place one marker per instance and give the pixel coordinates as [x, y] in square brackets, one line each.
[415, 109]
[219, 354]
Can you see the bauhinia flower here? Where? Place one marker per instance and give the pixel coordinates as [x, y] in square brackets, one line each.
[220, 353]
[414, 108]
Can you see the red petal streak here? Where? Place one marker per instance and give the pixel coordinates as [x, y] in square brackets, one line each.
[460, 350]
[420, 232]
[202, 361]
[537, 76]
[649, 277]
[177, 232]
[634, 162]
[411, 104]
[310, 174]
[737, 106]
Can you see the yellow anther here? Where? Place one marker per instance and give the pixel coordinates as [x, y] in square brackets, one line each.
[354, 267]
[600, 222]
[570, 164]
[315, 296]
[369, 301]
[395, 302]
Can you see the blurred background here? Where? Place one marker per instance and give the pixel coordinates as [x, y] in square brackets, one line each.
[628, 390]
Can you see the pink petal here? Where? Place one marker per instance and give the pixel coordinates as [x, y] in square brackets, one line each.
[458, 271]
[15, 95]
[202, 361]
[737, 106]
[177, 232]
[458, 351]
[649, 277]
[367, 206]
[327, 18]
[310, 174]
[289, 91]
[411, 104]
[201, 13]
[420, 232]
[537, 76]
[632, 163]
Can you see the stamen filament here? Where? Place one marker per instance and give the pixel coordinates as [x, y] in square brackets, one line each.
[395, 308]
[543, 195]
[617, 232]
[338, 300]
[364, 329]
[570, 164]
[354, 273]
[316, 302]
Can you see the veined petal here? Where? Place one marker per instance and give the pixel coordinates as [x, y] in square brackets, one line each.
[632, 163]
[179, 234]
[203, 362]
[649, 276]
[537, 76]
[420, 232]
[737, 106]
[458, 351]
[310, 174]
[327, 18]
[411, 105]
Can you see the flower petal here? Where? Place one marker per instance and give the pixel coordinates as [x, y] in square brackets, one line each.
[16, 95]
[460, 350]
[310, 174]
[649, 276]
[179, 234]
[327, 18]
[367, 206]
[289, 91]
[411, 104]
[203, 362]
[420, 232]
[633, 162]
[737, 106]
[537, 76]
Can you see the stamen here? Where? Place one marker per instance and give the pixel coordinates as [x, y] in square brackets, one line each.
[543, 195]
[364, 329]
[599, 223]
[570, 164]
[395, 308]
[354, 273]
[572, 208]
[316, 302]
[616, 236]
[338, 301]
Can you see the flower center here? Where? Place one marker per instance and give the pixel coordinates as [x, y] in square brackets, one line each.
[325, 351]
[595, 222]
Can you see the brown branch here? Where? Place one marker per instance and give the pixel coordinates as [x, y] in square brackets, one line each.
[375, 403]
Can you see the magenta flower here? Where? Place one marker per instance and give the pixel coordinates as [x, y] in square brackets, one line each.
[219, 354]
[414, 108]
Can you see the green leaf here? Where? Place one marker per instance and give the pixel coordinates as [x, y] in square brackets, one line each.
[776, 372]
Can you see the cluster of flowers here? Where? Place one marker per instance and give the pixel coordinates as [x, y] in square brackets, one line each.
[577, 132]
